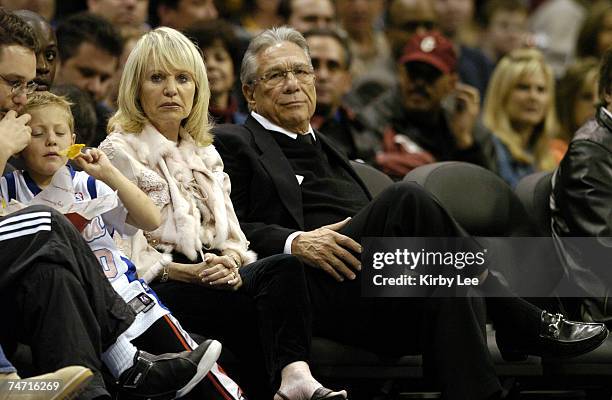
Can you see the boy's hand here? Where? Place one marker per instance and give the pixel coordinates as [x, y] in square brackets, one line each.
[96, 164]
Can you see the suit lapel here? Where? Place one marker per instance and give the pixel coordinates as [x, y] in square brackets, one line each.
[279, 169]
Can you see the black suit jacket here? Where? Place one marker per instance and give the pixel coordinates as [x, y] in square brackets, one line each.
[265, 191]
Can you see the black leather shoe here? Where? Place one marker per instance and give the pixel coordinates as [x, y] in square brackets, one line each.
[167, 376]
[558, 338]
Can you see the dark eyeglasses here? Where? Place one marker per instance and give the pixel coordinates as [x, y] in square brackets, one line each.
[420, 70]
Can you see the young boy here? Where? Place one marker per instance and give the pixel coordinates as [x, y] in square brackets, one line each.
[154, 328]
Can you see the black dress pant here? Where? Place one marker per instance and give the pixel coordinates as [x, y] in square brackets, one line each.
[55, 296]
[266, 323]
[449, 332]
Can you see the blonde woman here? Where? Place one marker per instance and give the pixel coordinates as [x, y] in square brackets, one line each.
[199, 258]
[519, 110]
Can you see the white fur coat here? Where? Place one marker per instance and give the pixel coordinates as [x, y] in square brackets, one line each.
[187, 182]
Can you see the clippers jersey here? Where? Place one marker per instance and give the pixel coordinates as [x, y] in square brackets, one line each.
[119, 270]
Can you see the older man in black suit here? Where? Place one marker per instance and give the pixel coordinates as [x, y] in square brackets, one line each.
[294, 193]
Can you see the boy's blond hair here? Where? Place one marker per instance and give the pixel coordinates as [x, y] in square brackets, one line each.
[43, 99]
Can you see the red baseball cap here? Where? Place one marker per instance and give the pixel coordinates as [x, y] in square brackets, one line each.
[432, 48]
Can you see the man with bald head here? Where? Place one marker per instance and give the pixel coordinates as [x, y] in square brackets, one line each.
[46, 53]
[304, 15]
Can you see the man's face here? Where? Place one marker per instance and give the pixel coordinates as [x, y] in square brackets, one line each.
[90, 69]
[290, 102]
[17, 65]
[187, 13]
[333, 77]
[311, 14]
[121, 12]
[423, 86]
[453, 14]
[507, 30]
[44, 8]
[46, 57]
[358, 15]
[406, 18]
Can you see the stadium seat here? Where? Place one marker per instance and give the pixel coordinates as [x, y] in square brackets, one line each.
[534, 193]
[375, 180]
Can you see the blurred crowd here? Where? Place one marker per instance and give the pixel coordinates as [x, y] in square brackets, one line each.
[514, 79]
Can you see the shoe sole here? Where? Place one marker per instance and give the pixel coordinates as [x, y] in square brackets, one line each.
[74, 386]
[581, 351]
[206, 363]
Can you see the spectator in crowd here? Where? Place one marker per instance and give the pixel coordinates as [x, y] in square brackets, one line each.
[473, 66]
[130, 36]
[160, 138]
[181, 14]
[520, 111]
[44, 8]
[594, 37]
[404, 19]
[260, 14]
[154, 328]
[555, 25]
[89, 51]
[72, 378]
[331, 60]
[83, 108]
[576, 102]
[276, 158]
[580, 205]
[123, 14]
[505, 28]
[369, 48]
[46, 54]
[54, 293]
[429, 116]
[220, 47]
[304, 15]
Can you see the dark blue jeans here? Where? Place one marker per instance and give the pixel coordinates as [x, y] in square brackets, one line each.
[5, 365]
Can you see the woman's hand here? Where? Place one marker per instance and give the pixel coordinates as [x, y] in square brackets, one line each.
[218, 272]
[221, 272]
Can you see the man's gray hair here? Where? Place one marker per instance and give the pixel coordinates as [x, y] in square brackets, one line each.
[268, 38]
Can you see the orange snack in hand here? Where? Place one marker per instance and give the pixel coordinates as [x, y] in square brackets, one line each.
[71, 151]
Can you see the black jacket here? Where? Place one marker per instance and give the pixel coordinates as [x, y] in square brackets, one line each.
[581, 206]
[264, 186]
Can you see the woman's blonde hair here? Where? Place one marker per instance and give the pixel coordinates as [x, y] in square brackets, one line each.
[165, 49]
[509, 71]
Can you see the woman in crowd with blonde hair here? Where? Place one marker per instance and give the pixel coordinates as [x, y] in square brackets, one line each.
[199, 258]
[519, 110]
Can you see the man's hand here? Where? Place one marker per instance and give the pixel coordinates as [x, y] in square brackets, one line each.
[399, 163]
[463, 118]
[326, 249]
[15, 134]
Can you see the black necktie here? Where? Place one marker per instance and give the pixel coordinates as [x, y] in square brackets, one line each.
[304, 139]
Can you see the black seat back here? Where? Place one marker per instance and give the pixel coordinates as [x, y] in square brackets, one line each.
[375, 180]
[534, 193]
[477, 198]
